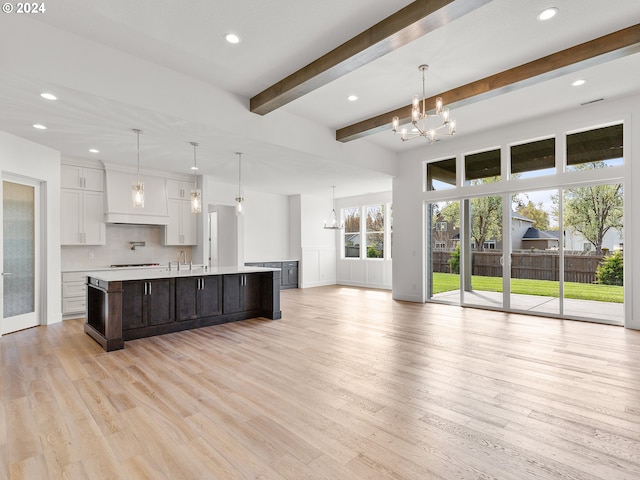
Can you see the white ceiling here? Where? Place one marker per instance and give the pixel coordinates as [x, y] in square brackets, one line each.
[184, 39]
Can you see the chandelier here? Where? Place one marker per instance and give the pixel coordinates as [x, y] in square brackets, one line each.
[420, 115]
[332, 222]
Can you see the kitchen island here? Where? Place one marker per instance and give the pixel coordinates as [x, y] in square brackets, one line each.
[125, 305]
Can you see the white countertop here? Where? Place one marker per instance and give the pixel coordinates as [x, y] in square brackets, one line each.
[149, 273]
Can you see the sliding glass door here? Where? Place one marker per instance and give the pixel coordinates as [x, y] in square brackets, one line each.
[535, 252]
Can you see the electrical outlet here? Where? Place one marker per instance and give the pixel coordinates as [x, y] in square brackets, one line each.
[91, 255]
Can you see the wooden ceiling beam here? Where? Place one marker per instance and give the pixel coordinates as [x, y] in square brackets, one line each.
[595, 52]
[406, 25]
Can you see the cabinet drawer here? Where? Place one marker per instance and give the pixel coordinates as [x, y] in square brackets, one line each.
[74, 305]
[74, 289]
[273, 264]
[289, 264]
[74, 277]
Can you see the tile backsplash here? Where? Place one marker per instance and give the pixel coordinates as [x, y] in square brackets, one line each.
[118, 249]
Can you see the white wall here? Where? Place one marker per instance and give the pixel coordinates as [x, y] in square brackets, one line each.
[317, 245]
[261, 234]
[28, 159]
[368, 272]
[409, 197]
[266, 227]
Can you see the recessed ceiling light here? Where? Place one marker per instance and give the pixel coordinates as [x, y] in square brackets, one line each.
[352, 98]
[39, 127]
[48, 96]
[547, 13]
[579, 82]
[194, 168]
[232, 38]
[94, 150]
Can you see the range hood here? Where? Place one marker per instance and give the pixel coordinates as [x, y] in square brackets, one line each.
[119, 207]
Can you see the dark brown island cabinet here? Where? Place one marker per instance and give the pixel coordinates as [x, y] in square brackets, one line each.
[125, 305]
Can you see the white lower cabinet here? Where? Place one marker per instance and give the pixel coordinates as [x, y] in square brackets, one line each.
[181, 229]
[81, 217]
[74, 293]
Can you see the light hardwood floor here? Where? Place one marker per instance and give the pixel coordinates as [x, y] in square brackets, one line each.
[349, 384]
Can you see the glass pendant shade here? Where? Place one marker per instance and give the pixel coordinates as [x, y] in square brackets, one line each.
[332, 222]
[239, 199]
[137, 193]
[196, 200]
[196, 194]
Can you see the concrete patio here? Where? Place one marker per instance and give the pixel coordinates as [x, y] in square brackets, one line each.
[607, 312]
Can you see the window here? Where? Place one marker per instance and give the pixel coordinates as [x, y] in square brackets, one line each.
[441, 226]
[441, 175]
[483, 167]
[441, 245]
[598, 148]
[489, 245]
[586, 246]
[375, 231]
[534, 159]
[351, 218]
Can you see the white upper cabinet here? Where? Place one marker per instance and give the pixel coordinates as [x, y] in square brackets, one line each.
[82, 206]
[181, 229]
[83, 178]
[178, 190]
[81, 217]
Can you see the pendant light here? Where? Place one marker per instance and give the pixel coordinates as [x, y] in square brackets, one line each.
[332, 222]
[239, 198]
[196, 194]
[137, 194]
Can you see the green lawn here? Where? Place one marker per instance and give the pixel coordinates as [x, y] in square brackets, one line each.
[445, 282]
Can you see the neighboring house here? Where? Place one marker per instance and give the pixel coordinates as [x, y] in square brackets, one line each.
[540, 239]
[520, 225]
[574, 241]
[444, 235]
[524, 236]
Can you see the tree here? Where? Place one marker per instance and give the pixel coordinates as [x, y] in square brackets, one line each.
[594, 210]
[534, 211]
[486, 218]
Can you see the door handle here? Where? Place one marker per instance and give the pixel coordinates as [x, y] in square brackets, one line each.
[149, 287]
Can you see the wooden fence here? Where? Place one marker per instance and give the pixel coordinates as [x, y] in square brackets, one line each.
[530, 265]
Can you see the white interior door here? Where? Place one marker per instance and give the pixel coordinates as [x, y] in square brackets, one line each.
[20, 279]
